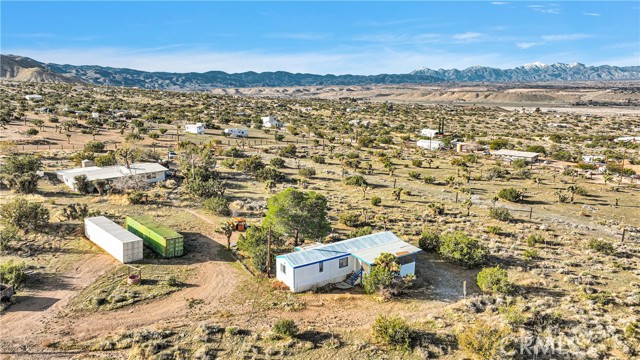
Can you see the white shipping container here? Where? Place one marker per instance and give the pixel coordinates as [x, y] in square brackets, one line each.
[114, 239]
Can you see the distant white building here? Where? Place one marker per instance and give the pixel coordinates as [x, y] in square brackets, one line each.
[236, 132]
[627, 139]
[151, 172]
[430, 144]
[33, 97]
[591, 159]
[430, 133]
[197, 128]
[271, 122]
[515, 155]
[95, 115]
[318, 264]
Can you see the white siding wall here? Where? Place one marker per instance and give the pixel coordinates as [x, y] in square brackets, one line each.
[309, 277]
[108, 237]
[287, 276]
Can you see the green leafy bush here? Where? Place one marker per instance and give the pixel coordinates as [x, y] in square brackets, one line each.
[482, 341]
[94, 146]
[24, 215]
[270, 173]
[307, 172]
[367, 230]
[277, 162]
[349, 218]
[217, 205]
[530, 254]
[288, 151]
[318, 159]
[601, 245]
[460, 248]
[429, 241]
[511, 194]
[355, 180]
[494, 279]
[376, 200]
[13, 273]
[393, 331]
[493, 229]
[285, 327]
[500, 213]
[534, 239]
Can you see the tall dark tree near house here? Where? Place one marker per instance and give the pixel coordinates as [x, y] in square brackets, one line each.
[300, 214]
[127, 155]
[197, 162]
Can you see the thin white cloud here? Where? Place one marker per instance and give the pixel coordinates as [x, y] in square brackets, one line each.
[565, 37]
[590, 14]
[526, 45]
[546, 8]
[499, 3]
[467, 36]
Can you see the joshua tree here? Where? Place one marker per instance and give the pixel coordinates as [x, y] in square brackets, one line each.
[226, 229]
[397, 192]
[467, 204]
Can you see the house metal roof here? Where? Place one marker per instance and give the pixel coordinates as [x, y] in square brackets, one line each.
[367, 246]
[112, 172]
[397, 248]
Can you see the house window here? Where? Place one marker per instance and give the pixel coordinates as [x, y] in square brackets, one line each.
[283, 269]
[321, 267]
[344, 262]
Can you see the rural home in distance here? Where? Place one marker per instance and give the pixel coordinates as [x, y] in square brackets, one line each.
[430, 144]
[236, 132]
[271, 122]
[515, 155]
[197, 128]
[33, 97]
[151, 172]
[318, 264]
[430, 133]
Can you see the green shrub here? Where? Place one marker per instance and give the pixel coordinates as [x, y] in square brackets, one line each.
[270, 173]
[493, 229]
[534, 239]
[429, 179]
[32, 131]
[233, 152]
[460, 248]
[94, 146]
[318, 159]
[355, 180]
[416, 162]
[393, 331]
[349, 218]
[288, 151]
[600, 245]
[251, 164]
[217, 205]
[307, 172]
[24, 215]
[494, 279]
[277, 162]
[500, 213]
[520, 163]
[429, 241]
[530, 254]
[511, 194]
[482, 341]
[13, 273]
[513, 314]
[414, 174]
[376, 200]
[8, 234]
[285, 327]
[497, 144]
[367, 230]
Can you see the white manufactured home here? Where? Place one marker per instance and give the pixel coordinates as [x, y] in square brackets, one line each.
[114, 239]
[317, 265]
[150, 172]
[430, 144]
[236, 132]
[33, 97]
[430, 133]
[516, 155]
[197, 128]
[271, 122]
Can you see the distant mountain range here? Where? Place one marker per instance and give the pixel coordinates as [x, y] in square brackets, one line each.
[18, 68]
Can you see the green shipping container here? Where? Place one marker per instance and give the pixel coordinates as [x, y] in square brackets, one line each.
[161, 239]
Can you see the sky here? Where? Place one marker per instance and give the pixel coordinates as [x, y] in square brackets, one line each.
[321, 37]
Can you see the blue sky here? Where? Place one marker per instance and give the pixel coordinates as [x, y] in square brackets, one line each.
[321, 37]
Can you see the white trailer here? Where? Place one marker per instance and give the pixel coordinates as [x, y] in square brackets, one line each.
[236, 132]
[114, 239]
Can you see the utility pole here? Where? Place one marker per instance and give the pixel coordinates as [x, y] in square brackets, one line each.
[624, 155]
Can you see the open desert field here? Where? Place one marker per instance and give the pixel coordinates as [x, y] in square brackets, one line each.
[563, 230]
